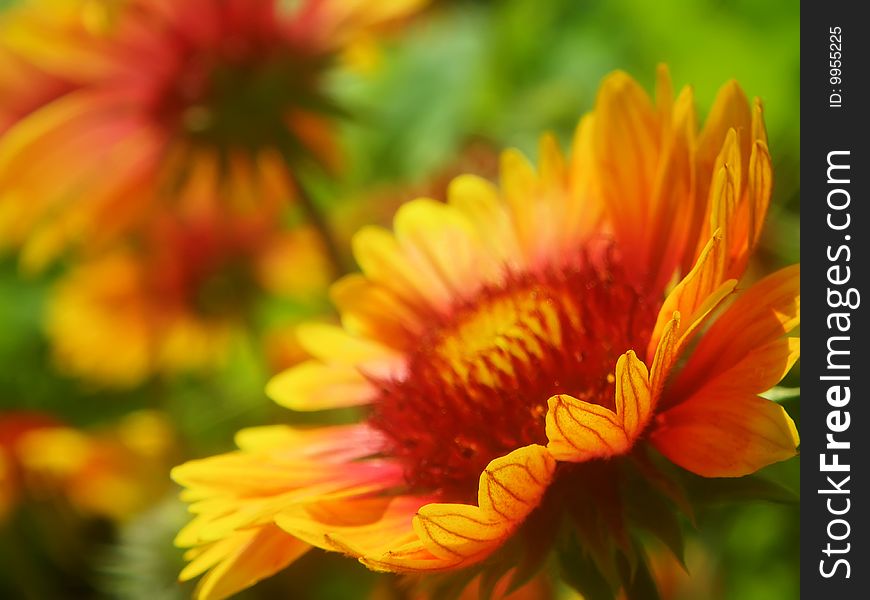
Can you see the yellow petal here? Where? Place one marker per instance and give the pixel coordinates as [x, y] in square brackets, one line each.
[373, 311]
[335, 345]
[633, 401]
[584, 206]
[362, 526]
[313, 385]
[384, 262]
[456, 535]
[479, 201]
[580, 431]
[441, 243]
[552, 164]
[519, 187]
[242, 560]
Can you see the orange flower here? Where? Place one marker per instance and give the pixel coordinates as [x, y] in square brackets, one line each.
[125, 103]
[181, 295]
[517, 350]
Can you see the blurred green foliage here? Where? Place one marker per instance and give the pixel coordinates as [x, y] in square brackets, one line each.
[501, 72]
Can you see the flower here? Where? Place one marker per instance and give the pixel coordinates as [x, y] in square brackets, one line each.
[182, 294]
[113, 472]
[128, 102]
[517, 352]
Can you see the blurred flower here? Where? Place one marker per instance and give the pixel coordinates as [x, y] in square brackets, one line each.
[112, 473]
[109, 105]
[178, 298]
[519, 351]
[14, 426]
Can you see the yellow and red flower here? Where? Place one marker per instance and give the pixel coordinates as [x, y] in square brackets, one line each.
[113, 472]
[108, 107]
[513, 349]
[181, 294]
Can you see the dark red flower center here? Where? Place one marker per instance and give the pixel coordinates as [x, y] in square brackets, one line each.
[478, 381]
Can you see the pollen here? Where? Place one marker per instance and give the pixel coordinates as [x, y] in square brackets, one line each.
[479, 380]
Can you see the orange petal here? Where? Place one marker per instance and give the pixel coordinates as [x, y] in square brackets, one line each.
[725, 435]
[693, 299]
[759, 370]
[675, 195]
[627, 138]
[313, 385]
[730, 111]
[760, 187]
[365, 526]
[762, 314]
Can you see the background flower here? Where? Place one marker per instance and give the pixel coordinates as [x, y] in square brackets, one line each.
[135, 100]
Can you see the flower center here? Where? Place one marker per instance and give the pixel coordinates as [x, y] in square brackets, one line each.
[241, 98]
[478, 382]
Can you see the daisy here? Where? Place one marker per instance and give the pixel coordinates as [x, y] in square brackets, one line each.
[520, 354]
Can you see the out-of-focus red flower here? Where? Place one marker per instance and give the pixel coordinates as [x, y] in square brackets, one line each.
[112, 472]
[108, 106]
[177, 299]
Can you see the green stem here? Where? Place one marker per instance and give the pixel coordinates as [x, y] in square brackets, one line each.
[317, 220]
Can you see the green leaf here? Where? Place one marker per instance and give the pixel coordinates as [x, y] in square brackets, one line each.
[662, 475]
[641, 585]
[650, 511]
[581, 573]
[537, 538]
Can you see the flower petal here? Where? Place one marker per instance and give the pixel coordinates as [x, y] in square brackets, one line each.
[685, 308]
[633, 400]
[241, 560]
[313, 385]
[334, 345]
[479, 201]
[762, 314]
[371, 310]
[580, 431]
[441, 243]
[725, 435]
[454, 535]
[384, 262]
[364, 526]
